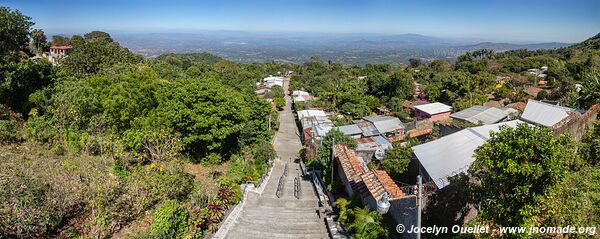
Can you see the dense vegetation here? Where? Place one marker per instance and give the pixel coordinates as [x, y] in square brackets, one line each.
[358, 91]
[526, 177]
[124, 137]
[107, 140]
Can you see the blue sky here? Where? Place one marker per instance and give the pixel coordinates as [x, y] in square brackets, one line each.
[508, 20]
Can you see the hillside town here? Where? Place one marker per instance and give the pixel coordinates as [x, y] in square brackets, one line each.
[98, 141]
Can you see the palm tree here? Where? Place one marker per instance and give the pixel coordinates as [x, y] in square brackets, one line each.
[367, 224]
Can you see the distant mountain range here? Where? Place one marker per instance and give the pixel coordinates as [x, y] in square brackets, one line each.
[299, 47]
[510, 46]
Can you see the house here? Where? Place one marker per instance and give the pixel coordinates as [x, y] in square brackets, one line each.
[367, 128]
[411, 104]
[261, 90]
[351, 130]
[540, 113]
[372, 147]
[484, 114]
[315, 124]
[520, 106]
[386, 125]
[539, 72]
[271, 81]
[433, 111]
[533, 91]
[58, 52]
[453, 154]
[301, 96]
[371, 185]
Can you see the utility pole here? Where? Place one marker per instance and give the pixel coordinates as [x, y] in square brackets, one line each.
[420, 203]
[269, 122]
[332, 160]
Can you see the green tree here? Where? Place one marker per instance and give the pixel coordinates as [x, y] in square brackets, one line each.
[367, 224]
[324, 150]
[590, 91]
[14, 31]
[414, 63]
[58, 40]
[39, 43]
[401, 85]
[95, 54]
[97, 36]
[27, 77]
[515, 169]
[590, 148]
[208, 115]
[397, 159]
[170, 220]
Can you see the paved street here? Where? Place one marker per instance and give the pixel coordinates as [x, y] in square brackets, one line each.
[269, 216]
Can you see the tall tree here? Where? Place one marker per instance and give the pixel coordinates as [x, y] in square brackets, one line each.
[58, 40]
[515, 169]
[96, 53]
[98, 36]
[39, 43]
[14, 31]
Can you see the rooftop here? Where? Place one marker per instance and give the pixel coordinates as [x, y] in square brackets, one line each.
[367, 128]
[372, 143]
[363, 181]
[385, 124]
[453, 154]
[349, 161]
[545, 114]
[61, 47]
[434, 108]
[481, 114]
[351, 129]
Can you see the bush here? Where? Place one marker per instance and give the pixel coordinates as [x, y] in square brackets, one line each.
[9, 126]
[29, 207]
[161, 181]
[170, 220]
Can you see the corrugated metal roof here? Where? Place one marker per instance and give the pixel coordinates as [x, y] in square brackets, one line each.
[367, 128]
[385, 124]
[544, 114]
[434, 108]
[316, 120]
[350, 129]
[453, 154]
[372, 143]
[481, 114]
[300, 93]
[311, 112]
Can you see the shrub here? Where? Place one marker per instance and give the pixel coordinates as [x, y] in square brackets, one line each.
[9, 126]
[161, 181]
[170, 220]
[29, 207]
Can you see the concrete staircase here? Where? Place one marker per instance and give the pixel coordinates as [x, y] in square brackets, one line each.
[267, 216]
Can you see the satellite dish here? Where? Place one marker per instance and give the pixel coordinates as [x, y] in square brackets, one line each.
[379, 153]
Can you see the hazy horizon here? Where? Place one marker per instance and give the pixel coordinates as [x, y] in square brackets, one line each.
[495, 21]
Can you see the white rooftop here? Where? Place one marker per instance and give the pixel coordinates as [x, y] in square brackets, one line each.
[453, 154]
[434, 108]
[482, 114]
[300, 93]
[311, 112]
[545, 114]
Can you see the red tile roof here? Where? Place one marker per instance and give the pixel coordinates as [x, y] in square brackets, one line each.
[517, 105]
[533, 91]
[363, 181]
[61, 47]
[349, 161]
